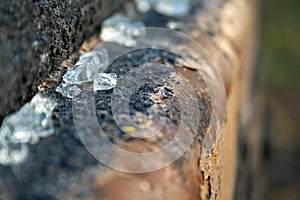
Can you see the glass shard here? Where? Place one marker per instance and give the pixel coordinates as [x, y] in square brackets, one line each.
[68, 90]
[172, 8]
[32, 122]
[177, 26]
[12, 153]
[121, 30]
[105, 81]
[88, 65]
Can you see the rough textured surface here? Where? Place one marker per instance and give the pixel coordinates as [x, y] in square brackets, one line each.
[36, 36]
[61, 168]
[231, 42]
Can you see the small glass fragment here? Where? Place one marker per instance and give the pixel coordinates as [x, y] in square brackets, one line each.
[143, 6]
[32, 122]
[172, 8]
[121, 30]
[12, 153]
[87, 67]
[175, 25]
[68, 90]
[42, 104]
[105, 81]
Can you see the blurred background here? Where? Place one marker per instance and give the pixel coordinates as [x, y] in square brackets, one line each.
[281, 69]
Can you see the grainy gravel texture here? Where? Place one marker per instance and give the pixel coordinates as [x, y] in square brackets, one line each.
[36, 36]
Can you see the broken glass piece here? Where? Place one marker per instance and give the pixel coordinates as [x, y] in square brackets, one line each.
[68, 90]
[143, 6]
[29, 124]
[87, 67]
[18, 127]
[175, 25]
[12, 153]
[172, 8]
[105, 81]
[42, 104]
[32, 122]
[121, 30]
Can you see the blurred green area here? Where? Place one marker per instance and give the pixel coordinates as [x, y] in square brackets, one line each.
[282, 44]
[281, 70]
